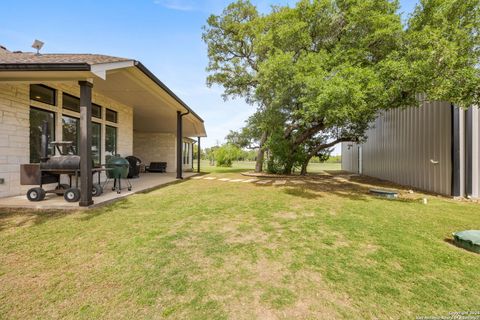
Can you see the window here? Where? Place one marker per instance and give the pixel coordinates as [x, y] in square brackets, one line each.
[111, 115]
[39, 92]
[96, 143]
[187, 149]
[96, 111]
[37, 118]
[70, 102]
[110, 141]
[71, 130]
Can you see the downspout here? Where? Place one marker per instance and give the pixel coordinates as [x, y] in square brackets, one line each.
[180, 143]
[198, 155]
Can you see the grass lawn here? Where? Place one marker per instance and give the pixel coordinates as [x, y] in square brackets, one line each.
[240, 166]
[320, 248]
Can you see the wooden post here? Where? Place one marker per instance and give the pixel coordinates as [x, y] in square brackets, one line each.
[85, 150]
[198, 155]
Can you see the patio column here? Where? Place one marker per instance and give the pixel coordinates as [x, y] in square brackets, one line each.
[190, 155]
[179, 146]
[198, 155]
[85, 150]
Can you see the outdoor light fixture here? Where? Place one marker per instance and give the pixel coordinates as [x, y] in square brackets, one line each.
[37, 44]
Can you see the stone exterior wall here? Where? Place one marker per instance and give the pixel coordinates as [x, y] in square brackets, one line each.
[155, 147]
[124, 124]
[14, 128]
[14, 135]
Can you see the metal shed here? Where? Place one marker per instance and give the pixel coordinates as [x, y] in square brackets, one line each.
[434, 147]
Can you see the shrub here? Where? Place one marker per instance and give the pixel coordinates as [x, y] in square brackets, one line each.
[226, 154]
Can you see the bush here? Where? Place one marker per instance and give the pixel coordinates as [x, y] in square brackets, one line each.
[226, 154]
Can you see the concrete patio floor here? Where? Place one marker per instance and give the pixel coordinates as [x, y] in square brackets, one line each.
[145, 182]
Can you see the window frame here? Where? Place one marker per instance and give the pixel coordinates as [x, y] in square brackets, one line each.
[77, 133]
[100, 107]
[53, 127]
[100, 141]
[116, 140]
[106, 115]
[71, 96]
[46, 87]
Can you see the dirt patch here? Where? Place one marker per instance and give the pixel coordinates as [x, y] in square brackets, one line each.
[312, 298]
[246, 237]
[286, 215]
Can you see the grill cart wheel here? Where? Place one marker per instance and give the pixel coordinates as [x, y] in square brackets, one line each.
[72, 195]
[64, 186]
[36, 194]
[97, 190]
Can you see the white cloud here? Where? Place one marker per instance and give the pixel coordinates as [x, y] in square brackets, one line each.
[181, 5]
[205, 6]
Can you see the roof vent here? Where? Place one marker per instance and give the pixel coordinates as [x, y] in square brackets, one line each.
[37, 44]
[3, 49]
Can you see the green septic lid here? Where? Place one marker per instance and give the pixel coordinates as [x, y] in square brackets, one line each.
[469, 239]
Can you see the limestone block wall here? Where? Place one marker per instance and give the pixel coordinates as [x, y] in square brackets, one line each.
[14, 135]
[155, 147]
[125, 117]
[15, 106]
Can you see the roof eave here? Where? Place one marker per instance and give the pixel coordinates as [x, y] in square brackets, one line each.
[154, 78]
[88, 67]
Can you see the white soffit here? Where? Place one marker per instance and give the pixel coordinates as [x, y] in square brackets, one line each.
[100, 69]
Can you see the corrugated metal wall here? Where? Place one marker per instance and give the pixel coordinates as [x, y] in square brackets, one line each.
[475, 153]
[409, 146]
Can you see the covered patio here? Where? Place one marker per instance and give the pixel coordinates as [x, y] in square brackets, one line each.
[149, 120]
[146, 182]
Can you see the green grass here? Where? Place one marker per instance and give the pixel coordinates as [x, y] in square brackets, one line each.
[240, 166]
[209, 249]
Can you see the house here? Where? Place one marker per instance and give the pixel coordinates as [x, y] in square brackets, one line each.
[106, 105]
[434, 147]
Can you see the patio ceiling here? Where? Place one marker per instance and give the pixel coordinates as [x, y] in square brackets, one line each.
[129, 82]
[154, 109]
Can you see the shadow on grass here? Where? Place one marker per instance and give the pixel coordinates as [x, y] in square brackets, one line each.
[317, 186]
[335, 182]
[17, 218]
[301, 192]
[453, 243]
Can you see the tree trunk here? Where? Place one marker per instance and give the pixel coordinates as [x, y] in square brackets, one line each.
[259, 163]
[261, 153]
[305, 165]
[288, 167]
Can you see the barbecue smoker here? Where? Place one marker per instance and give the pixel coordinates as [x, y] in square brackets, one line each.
[50, 170]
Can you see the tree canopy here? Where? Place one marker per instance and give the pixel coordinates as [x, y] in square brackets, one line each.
[320, 72]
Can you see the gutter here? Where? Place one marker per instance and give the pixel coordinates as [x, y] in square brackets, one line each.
[44, 67]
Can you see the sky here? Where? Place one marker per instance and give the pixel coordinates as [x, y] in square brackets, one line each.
[165, 35]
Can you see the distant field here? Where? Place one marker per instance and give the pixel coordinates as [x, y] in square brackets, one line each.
[239, 166]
